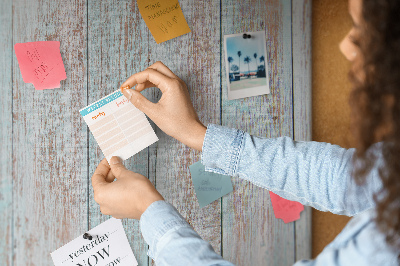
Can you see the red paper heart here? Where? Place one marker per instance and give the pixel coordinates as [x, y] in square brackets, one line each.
[284, 209]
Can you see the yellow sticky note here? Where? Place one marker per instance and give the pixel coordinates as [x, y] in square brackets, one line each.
[164, 18]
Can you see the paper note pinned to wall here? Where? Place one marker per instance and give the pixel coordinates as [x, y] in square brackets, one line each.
[108, 246]
[164, 18]
[209, 186]
[118, 126]
[41, 63]
[284, 209]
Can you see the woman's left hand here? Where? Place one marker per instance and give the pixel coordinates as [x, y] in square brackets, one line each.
[127, 197]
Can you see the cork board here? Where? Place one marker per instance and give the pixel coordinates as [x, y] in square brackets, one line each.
[331, 89]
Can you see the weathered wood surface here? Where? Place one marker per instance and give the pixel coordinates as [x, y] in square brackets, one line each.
[6, 211]
[48, 155]
[251, 234]
[195, 58]
[117, 47]
[49, 138]
[301, 38]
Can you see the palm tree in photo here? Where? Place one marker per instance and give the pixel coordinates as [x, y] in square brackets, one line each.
[261, 72]
[230, 60]
[247, 60]
[262, 59]
[234, 68]
[239, 55]
[255, 58]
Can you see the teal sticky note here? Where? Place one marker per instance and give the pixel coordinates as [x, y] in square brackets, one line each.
[209, 186]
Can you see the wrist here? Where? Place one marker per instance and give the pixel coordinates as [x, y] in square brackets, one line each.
[196, 136]
[150, 201]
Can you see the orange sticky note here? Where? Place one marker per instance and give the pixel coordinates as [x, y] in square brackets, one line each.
[284, 209]
[41, 63]
[164, 18]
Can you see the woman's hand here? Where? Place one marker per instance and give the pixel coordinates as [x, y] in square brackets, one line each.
[173, 113]
[127, 197]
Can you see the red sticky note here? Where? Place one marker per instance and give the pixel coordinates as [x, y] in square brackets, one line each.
[284, 209]
[41, 63]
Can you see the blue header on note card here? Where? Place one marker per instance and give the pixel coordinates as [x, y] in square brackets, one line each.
[100, 103]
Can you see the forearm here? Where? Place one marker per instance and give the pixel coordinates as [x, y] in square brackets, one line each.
[172, 241]
[312, 173]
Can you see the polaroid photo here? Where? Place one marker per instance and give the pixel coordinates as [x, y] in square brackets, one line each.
[246, 64]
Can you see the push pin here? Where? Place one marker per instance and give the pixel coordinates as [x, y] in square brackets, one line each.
[246, 36]
[88, 236]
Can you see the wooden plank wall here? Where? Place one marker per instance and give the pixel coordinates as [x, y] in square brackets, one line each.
[6, 212]
[301, 39]
[195, 58]
[49, 138]
[248, 219]
[48, 155]
[117, 47]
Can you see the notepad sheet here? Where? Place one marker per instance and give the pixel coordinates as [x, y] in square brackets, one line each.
[118, 126]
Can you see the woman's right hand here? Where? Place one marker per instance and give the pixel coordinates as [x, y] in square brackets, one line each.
[173, 113]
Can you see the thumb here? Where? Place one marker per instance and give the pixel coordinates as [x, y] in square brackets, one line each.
[138, 100]
[117, 168]
[99, 176]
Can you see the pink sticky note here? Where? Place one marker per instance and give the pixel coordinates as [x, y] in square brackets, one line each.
[284, 209]
[41, 63]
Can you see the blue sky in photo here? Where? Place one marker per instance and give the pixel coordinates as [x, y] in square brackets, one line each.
[248, 47]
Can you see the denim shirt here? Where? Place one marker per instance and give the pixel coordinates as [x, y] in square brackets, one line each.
[312, 173]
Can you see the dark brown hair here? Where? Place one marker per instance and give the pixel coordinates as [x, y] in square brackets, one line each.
[375, 103]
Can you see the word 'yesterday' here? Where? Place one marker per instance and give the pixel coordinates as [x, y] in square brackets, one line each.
[89, 246]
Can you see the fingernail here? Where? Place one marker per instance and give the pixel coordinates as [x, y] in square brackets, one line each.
[115, 160]
[128, 93]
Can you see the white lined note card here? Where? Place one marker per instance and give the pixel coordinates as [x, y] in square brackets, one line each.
[118, 126]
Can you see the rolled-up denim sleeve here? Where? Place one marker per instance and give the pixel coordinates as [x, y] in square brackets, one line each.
[313, 173]
[172, 241]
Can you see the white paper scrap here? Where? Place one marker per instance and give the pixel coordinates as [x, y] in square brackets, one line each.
[118, 126]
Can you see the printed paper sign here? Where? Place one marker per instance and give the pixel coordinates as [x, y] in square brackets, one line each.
[284, 209]
[209, 186]
[118, 126]
[41, 64]
[109, 246]
[164, 18]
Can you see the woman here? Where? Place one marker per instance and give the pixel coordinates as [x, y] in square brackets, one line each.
[363, 182]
